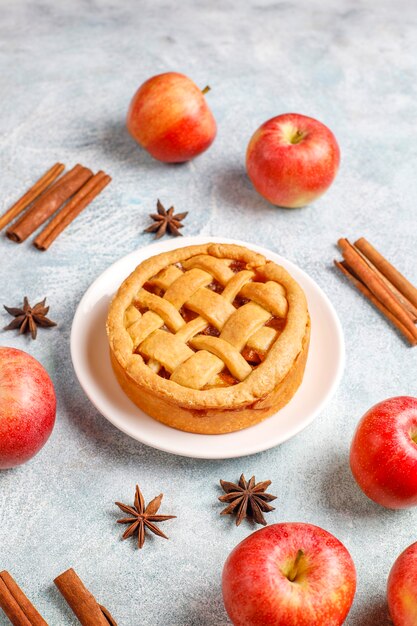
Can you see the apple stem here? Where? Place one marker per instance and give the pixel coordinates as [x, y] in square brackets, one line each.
[205, 90]
[292, 574]
[299, 135]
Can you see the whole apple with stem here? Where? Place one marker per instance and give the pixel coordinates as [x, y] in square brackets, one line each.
[292, 159]
[289, 574]
[383, 453]
[402, 588]
[27, 407]
[170, 118]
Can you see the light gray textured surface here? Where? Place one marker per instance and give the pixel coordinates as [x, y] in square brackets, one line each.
[67, 73]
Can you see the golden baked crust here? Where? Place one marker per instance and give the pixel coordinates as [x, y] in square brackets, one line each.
[209, 338]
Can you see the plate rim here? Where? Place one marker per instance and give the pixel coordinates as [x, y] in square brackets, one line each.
[163, 246]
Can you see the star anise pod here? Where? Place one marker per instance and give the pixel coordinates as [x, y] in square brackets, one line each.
[247, 499]
[141, 517]
[28, 318]
[165, 220]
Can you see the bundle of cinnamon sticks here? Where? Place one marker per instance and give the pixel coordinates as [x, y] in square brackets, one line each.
[65, 196]
[21, 611]
[382, 284]
[16, 605]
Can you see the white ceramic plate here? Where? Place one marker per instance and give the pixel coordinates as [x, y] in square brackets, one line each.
[90, 357]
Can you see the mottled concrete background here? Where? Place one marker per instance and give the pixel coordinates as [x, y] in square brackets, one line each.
[67, 73]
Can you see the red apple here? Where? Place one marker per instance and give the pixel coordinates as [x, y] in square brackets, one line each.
[402, 588]
[169, 117]
[383, 454]
[292, 159]
[27, 407]
[289, 574]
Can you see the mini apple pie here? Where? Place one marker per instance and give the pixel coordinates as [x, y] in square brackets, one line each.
[209, 338]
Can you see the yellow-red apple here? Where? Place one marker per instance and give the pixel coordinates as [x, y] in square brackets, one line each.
[292, 159]
[170, 118]
[289, 574]
[402, 588]
[383, 453]
[27, 407]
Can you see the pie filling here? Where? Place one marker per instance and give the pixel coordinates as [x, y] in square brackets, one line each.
[197, 302]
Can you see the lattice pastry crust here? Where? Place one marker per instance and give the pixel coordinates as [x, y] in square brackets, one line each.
[210, 338]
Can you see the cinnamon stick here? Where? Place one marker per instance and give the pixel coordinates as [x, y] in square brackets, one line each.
[344, 268]
[56, 195]
[32, 194]
[376, 285]
[407, 305]
[397, 279]
[16, 605]
[69, 212]
[81, 601]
